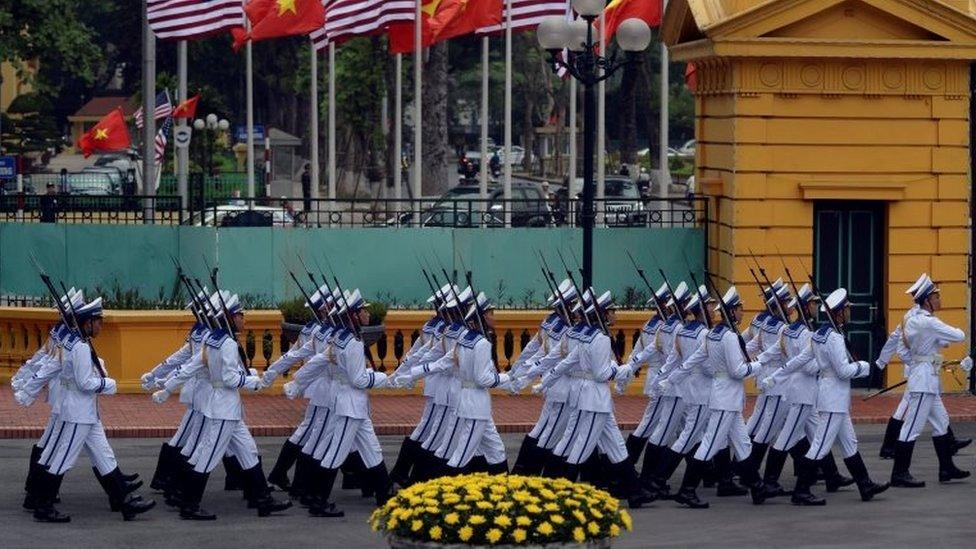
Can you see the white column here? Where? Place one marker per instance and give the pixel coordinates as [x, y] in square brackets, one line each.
[249, 92]
[483, 185]
[571, 184]
[148, 118]
[182, 154]
[601, 133]
[313, 125]
[398, 135]
[418, 116]
[662, 153]
[332, 126]
[507, 165]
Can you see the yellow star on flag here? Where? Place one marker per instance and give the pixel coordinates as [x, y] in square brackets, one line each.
[101, 133]
[430, 7]
[286, 5]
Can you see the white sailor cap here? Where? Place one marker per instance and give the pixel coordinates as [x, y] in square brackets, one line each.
[695, 299]
[566, 291]
[321, 297]
[444, 293]
[806, 296]
[782, 293]
[92, 309]
[731, 299]
[925, 290]
[460, 300]
[836, 301]
[226, 299]
[353, 302]
[482, 303]
[604, 302]
[201, 296]
[681, 293]
[915, 286]
[73, 299]
[585, 301]
[659, 295]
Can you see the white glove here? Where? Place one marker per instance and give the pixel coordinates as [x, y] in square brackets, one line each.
[269, 377]
[160, 396]
[663, 386]
[625, 373]
[537, 388]
[966, 364]
[767, 383]
[252, 371]
[863, 368]
[253, 382]
[755, 366]
[111, 387]
[23, 398]
[291, 390]
[880, 365]
[148, 381]
[17, 384]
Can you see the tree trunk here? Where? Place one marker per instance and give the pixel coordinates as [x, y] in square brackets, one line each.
[627, 115]
[436, 150]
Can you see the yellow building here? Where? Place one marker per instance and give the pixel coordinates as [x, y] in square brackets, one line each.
[11, 84]
[835, 134]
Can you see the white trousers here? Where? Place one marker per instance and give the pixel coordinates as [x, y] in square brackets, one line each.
[52, 422]
[66, 442]
[724, 428]
[651, 414]
[449, 436]
[346, 434]
[477, 436]
[301, 432]
[693, 428]
[668, 422]
[551, 425]
[565, 443]
[224, 437]
[432, 439]
[924, 407]
[318, 426]
[902, 407]
[182, 434]
[194, 434]
[771, 421]
[833, 427]
[425, 423]
[801, 422]
[597, 430]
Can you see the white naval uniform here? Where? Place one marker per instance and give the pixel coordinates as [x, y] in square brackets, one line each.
[42, 370]
[315, 380]
[693, 382]
[79, 425]
[436, 369]
[428, 335]
[799, 378]
[477, 373]
[593, 424]
[550, 348]
[893, 345]
[649, 352]
[224, 430]
[351, 423]
[833, 392]
[556, 435]
[189, 427]
[729, 369]
[770, 410]
[924, 336]
[672, 408]
[307, 346]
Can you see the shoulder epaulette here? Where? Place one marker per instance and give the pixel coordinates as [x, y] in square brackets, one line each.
[822, 333]
[342, 337]
[470, 339]
[216, 338]
[692, 329]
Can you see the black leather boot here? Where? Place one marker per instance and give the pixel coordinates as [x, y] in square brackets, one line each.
[833, 479]
[657, 481]
[286, 458]
[500, 468]
[192, 487]
[890, 438]
[259, 494]
[324, 480]
[637, 496]
[725, 486]
[652, 456]
[947, 469]
[800, 448]
[555, 466]
[108, 485]
[46, 489]
[351, 468]
[801, 491]
[687, 495]
[400, 473]
[865, 485]
[301, 486]
[29, 483]
[957, 443]
[900, 476]
[775, 461]
[232, 481]
[121, 492]
[635, 445]
[382, 486]
[525, 462]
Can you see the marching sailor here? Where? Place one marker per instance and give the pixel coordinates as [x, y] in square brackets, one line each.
[923, 337]
[828, 357]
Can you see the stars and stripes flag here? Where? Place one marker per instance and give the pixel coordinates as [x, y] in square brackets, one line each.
[159, 142]
[345, 19]
[163, 109]
[527, 14]
[193, 19]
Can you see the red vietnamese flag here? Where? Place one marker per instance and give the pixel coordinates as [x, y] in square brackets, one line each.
[187, 109]
[618, 11]
[445, 19]
[691, 77]
[109, 134]
[277, 18]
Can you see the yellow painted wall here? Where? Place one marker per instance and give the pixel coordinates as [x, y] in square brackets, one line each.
[12, 85]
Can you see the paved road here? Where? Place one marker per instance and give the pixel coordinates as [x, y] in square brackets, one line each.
[939, 516]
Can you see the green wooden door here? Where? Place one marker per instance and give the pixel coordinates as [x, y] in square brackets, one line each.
[849, 253]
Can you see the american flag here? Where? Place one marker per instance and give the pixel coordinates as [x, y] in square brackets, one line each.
[193, 19]
[160, 141]
[346, 19]
[164, 108]
[527, 14]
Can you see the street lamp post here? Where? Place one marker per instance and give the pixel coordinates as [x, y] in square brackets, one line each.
[210, 125]
[584, 64]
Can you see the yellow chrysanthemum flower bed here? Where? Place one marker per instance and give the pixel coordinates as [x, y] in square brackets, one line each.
[483, 509]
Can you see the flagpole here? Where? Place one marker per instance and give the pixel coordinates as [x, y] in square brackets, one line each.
[662, 153]
[601, 131]
[148, 117]
[182, 153]
[418, 106]
[313, 127]
[571, 183]
[249, 91]
[483, 186]
[507, 165]
[398, 135]
[332, 129]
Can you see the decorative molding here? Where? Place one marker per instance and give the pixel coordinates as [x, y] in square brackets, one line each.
[853, 190]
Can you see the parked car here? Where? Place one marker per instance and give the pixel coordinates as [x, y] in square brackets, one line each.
[461, 207]
[234, 215]
[93, 184]
[623, 205]
[688, 149]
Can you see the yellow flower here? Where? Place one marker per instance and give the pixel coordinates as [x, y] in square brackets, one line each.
[580, 516]
[547, 493]
[545, 529]
[504, 505]
[476, 520]
[462, 507]
[416, 502]
[435, 533]
[503, 520]
[465, 533]
[534, 509]
[392, 523]
[523, 520]
[451, 518]
[484, 505]
[593, 527]
[557, 519]
[494, 535]
[625, 518]
[432, 510]
[551, 506]
[519, 535]
[496, 497]
[579, 535]
[596, 513]
[416, 525]
[570, 502]
[614, 530]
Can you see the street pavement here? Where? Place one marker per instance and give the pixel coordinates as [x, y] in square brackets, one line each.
[936, 516]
